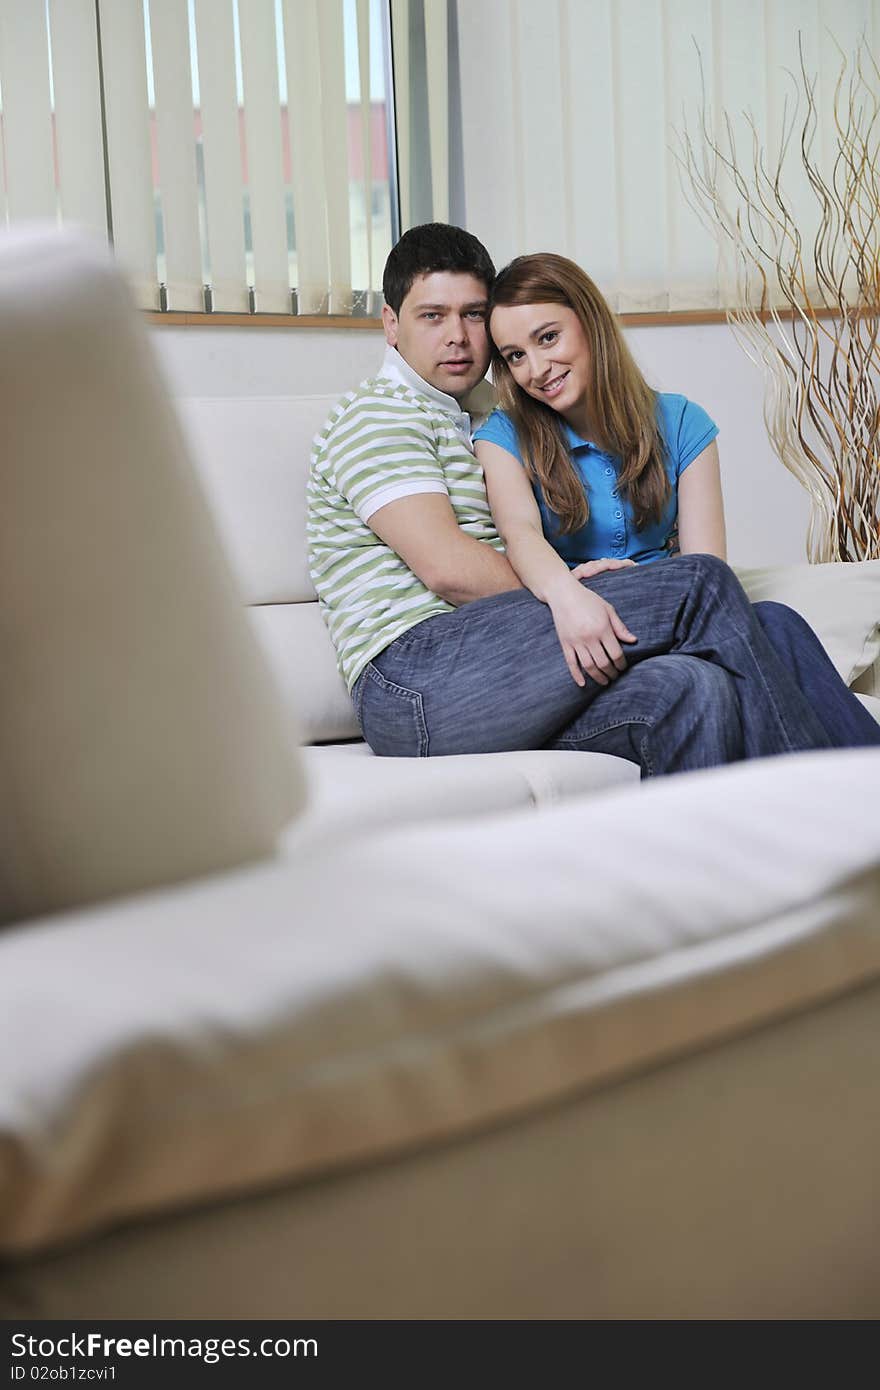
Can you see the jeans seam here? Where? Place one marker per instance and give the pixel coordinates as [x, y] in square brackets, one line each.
[606, 728]
[647, 765]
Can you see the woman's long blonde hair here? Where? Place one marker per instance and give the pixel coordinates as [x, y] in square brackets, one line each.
[623, 408]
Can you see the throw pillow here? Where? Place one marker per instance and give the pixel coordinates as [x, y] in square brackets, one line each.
[841, 602]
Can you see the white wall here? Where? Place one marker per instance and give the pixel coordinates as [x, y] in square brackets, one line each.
[766, 509]
[203, 361]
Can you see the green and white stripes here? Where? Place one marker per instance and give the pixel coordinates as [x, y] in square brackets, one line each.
[382, 442]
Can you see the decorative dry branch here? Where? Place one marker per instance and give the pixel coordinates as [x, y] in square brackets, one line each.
[805, 304]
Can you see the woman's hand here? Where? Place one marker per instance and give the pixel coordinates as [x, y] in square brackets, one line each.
[590, 632]
[590, 568]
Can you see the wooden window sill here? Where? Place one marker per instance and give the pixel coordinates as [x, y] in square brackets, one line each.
[674, 319]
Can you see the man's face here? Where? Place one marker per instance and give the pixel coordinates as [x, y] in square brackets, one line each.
[441, 330]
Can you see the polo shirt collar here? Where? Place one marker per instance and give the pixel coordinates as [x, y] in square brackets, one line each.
[396, 368]
[576, 441]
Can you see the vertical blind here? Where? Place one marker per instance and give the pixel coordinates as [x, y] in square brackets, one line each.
[28, 143]
[235, 150]
[572, 108]
[129, 156]
[242, 153]
[420, 30]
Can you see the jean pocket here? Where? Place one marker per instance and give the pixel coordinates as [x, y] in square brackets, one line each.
[391, 716]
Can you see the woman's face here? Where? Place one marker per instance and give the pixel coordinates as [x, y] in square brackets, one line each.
[548, 355]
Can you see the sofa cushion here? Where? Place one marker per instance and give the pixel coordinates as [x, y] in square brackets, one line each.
[404, 987]
[350, 790]
[141, 737]
[841, 602]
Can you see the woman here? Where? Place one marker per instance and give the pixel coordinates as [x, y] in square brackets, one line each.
[583, 460]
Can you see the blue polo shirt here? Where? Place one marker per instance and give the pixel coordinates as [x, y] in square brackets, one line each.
[685, 429]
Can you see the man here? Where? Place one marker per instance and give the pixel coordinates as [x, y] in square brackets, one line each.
[441, 647]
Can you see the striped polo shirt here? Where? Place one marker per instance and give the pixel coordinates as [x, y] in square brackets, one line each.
[394, 436]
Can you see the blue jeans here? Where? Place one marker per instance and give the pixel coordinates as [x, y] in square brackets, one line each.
[846, 721]
[491, 676]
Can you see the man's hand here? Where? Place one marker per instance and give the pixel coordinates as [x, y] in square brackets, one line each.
[590, 568]
[590, 632]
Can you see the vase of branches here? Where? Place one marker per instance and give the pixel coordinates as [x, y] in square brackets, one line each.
[803, 291]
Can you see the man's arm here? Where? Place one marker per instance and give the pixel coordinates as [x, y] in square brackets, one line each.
[422, 529]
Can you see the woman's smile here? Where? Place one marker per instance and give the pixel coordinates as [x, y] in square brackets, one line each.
[552, 387]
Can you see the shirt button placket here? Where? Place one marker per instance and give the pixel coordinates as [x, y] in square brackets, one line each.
[620, 535]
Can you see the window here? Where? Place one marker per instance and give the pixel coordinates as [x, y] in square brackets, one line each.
[247, 155]
[241, 153]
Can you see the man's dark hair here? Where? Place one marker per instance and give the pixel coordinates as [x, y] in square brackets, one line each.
[433, 246]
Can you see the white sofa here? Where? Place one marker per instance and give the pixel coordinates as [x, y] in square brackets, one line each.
[433, 1039]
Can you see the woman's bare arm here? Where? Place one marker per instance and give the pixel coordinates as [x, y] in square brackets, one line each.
[589, 629]
[701, 507]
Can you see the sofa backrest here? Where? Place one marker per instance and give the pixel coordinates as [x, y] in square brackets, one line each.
[253, 456]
